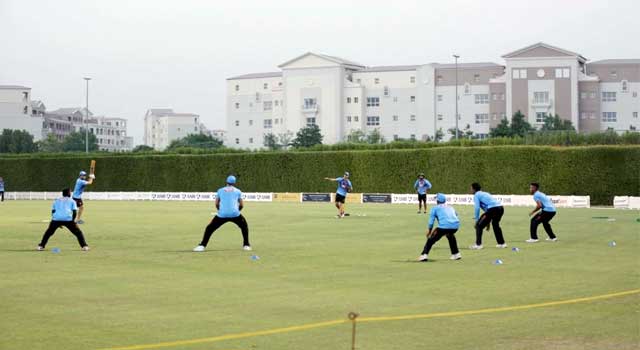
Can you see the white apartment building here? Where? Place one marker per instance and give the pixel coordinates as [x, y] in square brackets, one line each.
[16, 111]
[110, 132]
[163, 125]
[414, 102]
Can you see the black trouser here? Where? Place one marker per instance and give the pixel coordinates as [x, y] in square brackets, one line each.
[449, 233]
[2, 195]
[70, 225]
[543, 217]
[217, 221]
[493, 216]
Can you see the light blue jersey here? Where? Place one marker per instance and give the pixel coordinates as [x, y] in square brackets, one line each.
[483, 200]
[422, 186]
[446, 216]
[344, 185]
[547, 204]
[1, 186]
[79, 189]
[63, 209]
[229, 202]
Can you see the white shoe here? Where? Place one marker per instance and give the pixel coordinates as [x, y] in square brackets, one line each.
[456, 256]
[552, 239]
[199, 248]
[85, 248]
[531, 240]
[423, 257]
[247, 248]
[504, 245]
[475, 247]
[39, 248]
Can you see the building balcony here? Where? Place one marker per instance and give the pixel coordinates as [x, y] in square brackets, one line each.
[541, 104]
[309, 108]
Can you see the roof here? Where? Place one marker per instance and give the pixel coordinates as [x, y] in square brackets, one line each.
[159, 110]
[257, 75]
[617, 61]
[68, 111]
[541, 44]
[468, 65]
[334, 59]
[14, 87]
[389, 69]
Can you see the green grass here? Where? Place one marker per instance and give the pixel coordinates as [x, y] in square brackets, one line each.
[141, 284]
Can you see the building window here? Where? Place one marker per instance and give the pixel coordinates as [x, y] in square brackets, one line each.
[412, 118]
[25, 110]
[279, 83]
[267, 105]
[467, 88]
[613, 74]
[237, 87]
[413, 137]
[625, 86]
[311, 122]
[310, 103]
[592, 95]
[237, 141]
[519, 74]
[349, 119]
[348, 99]
[373, 120]
[540, 117]
[268, 123]
[265, 86]
[635, 94]
[481, 99]
[609, 96]
[476, 78]
[494, 116]
[395, 118]
[395, 137]
[502, 96]
[563, 73]
[25, 95]
[439, 98]
[412, 99]
[541, 97]
[373, 101]
[376, 80]
[635, 115]
[251, 122]
[503, 115]
[251, 140]
[583, 115]
[439, 116]
[395, 99]
[275, 121]
[583, 95]
[355, 100]
[358, 81]
[609, 117]
[412, 80]
[355, 118]
[276, 102]
[482, 118]
[237, 105]
[494, 96]
[385, 91]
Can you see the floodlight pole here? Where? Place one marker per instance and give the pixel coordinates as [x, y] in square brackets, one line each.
[86, 118]
[456, 116]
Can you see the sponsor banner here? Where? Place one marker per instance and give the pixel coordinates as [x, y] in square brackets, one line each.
[286, 197]
[352, 198]
[316, 197]
[376, 198]
[626, 202]
[257, 197]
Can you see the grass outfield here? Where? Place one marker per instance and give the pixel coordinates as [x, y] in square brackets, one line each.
[141, 284]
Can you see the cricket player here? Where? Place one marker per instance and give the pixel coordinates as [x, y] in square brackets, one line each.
[63, 213]
[545, 212]
[422, 186]
[81, 183]
[1, 189]
[344, 187]
[448, 224]
[493, 212]
[229, 204]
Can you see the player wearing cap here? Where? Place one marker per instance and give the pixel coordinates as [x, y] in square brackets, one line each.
[81, 183]
[63, 213]
[229, 204]
[493, 212]
[422, 186]
[344, 187]
[546, 212]
[448, 224]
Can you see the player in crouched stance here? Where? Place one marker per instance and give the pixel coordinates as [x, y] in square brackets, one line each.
[542, 214]
[448, 224]
[63, 213]
[229, 204]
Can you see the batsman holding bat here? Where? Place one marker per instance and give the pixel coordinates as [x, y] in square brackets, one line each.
[78, 190]
[448, 224]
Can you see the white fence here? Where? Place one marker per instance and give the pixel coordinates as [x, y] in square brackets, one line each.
[626, 202]
[455, 199]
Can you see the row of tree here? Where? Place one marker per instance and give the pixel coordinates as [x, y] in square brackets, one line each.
[20, 141]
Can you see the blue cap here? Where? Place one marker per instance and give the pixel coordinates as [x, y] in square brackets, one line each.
[231, 179]
[440, 198]
[83, 173]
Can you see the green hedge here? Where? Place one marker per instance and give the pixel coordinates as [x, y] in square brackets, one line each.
[598, 171]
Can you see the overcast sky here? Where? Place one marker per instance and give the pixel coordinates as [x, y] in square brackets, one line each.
[156, 53]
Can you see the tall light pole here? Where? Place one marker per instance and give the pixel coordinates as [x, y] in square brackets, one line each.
[86, 118]
[456, 58]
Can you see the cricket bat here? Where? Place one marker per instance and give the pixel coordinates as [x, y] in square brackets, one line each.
[92, 168]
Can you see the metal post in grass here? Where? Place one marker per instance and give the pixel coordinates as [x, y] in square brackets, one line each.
[353, 316]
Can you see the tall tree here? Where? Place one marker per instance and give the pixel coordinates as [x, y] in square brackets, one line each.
[375, 137]
[555, 123]
[195, 141]
[307, 137]
[357, 136]
[285, 139]
[142, 148]
[16, 141]
[439, 135]
[502, 130]
[75, 142]
[50, 144]
[271, 142]
[519, 125]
